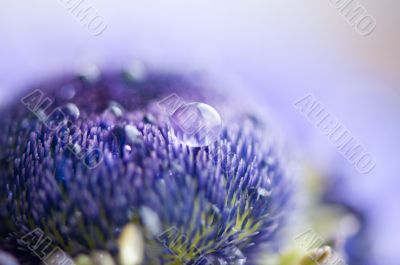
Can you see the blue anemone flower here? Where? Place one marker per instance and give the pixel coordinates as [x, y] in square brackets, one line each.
[82, 157]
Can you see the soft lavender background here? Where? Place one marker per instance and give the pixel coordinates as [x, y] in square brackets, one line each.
[269, 52]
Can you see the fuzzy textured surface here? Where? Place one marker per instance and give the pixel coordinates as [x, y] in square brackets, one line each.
[226, 201]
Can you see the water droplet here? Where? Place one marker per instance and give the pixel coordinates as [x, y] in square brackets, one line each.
[71, 110]
[148, 118]
[57, 118]
[89, 72]
[114, 110]
[136, 71]
[127, 151]
[128, 148]
[125, 136]
[196, 124]
[150, 220]
[263, 192]
[132, 134]
[259, 193]
[67, 92]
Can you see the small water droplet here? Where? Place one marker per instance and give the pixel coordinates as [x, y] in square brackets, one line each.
[89, 72]
[125, 136]
[150, 220]
[148, 118]
[196, 124]
[67, 92]
[71, 110]
[114, 110]
[128, 148]
[132, 134]
[259, 193]
[136, 71]
[263, 192]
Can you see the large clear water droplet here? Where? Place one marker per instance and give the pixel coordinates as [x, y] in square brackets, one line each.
[196, 124]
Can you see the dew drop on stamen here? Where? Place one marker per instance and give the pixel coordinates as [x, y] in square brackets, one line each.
[71, 110]
[196, 124]
[125, 137]
[132, 134]
[114, 110]
[59, 116]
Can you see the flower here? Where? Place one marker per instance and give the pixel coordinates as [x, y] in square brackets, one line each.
[83, 157]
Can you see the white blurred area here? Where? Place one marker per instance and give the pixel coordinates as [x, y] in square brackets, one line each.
[274, 51]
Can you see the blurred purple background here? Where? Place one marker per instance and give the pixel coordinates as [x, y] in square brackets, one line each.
[271, 53]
